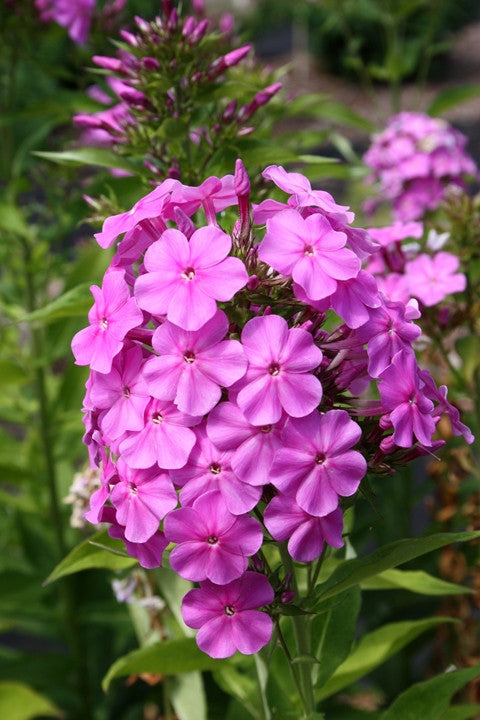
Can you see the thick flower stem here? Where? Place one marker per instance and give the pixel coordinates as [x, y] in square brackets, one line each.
[301, 630]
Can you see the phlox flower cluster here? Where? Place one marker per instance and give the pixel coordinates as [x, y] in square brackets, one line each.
[413, 160]
[231, 352]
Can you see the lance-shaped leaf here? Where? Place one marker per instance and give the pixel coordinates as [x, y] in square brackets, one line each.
[430, 700]
[21, 702]
[353, 572]
[99, 551]
[88, 156]
[170, 657]
[452, 97]
[416, 581]
[374, 649]
[72, 303]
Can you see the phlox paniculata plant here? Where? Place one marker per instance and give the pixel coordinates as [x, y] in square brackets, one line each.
[246, 374]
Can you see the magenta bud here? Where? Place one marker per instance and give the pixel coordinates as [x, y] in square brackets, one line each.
[241, 180]
[235, 56]
[173, 20]
[133, 97]
[129, 38]
[199, 32]
[109, 63]
[253, 282]
[150, 63]
[173, 173]
[198, 6]
[188, 26]
[87, 121]
[229, 111]
[287, 597]
[226, 24]
[266, 94]
[142, 24]
[257, 563]
[167, 8]
[196, 77]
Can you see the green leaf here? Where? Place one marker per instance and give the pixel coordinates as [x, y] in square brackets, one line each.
[468, 348]
[461, 712]
[21, 702]
[11, 220]
[99, 551]
[416, 581]
[74, 302]
[374, 649]
[170, 657]
[88, 156]
[173, 588]
[353, 572]
[240, 686]
[452, 97]
[430, 700]
[333, 634]
[11, 374]
[188, 697]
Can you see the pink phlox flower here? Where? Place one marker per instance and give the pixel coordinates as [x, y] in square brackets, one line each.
[131, 248]
[387, 331]
[395, 286]
[396, 232]
[317, 466]
[228, 615]
[214, 195]
[408, 409]
[278, 377]
[302, 195]
[422, 194]
[431, 279]
[359, 240]
[308, 250]
[185, 277]
[166, 438]
[194, 365]
[306, 534]
[113, 314]
[267, 209]
[142, 498]
[151, 206]
[209, 469]
[253, 447]
[149, 553]
[439, 395]
[213, 543]
[122, 393]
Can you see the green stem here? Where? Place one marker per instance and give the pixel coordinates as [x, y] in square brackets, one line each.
[261, 668]
[301, 630]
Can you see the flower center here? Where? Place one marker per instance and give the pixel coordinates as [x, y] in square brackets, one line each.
[229, 610]
[309, 250]
[215, 468]
[188, 273]
[274, 369]
[104, 323]
[212, 540]
[320, 458]
[266, 428]
[133, 489]
[126, 391]
[157, 418]
[189, 356]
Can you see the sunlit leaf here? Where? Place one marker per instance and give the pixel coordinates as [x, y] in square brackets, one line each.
[21, 702]
[452, 97]
[416, 581]
[88, 156]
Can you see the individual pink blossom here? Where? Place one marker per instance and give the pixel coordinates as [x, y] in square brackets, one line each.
[431, 279]
[166, 438]
[278, 377]
[229, 616]
[306, 534]
[389, 329]
[212, 543]
[192, 366]
[186, 277]
[122, 393]
[142, 498]
[209, 468]
[253, 447]
[74, 15]
[317, 466]
[408, 409]
[113, 314]
[310, 251]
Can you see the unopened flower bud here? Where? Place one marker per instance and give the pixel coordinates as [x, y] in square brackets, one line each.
[199, 32]
[229, 112]
[130, 38]
[109, 63]
[253, 282]
[150, 63]
[287, 597]
[188, 26]
[257, 563]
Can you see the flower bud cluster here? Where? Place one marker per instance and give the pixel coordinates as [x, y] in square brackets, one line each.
[172, 107]
[229, 399]
[414, 159]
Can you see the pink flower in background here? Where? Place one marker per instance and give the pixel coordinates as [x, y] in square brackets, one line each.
[114, 313]
[228, 616]
[431, 279]
[74, 15]
[278, 377]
